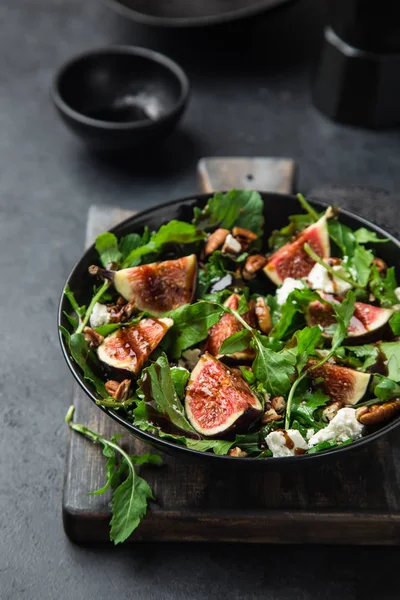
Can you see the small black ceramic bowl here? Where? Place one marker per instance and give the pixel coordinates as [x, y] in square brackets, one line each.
[121, 97]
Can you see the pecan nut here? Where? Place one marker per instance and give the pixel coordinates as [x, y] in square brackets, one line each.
[121, 313]
[215, 240]
[244, 236]
[253, 264]
[269, 416]
[381, 266]
[331, 411]
[118, 390]
[237, 452]
[263, 315]
[93, 338]
[378, 413]
[279, 404]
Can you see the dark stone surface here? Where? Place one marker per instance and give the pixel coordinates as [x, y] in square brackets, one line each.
[250, 97]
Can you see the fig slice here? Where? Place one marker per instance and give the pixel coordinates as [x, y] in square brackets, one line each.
[341, 384]
[159, 287]
[365, 320]
[227, 326]
[218, 401]
[128, 348]
[292, 260]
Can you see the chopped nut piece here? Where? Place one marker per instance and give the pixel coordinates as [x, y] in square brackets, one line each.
[331, 411]
[253, 265]
[237, 452]
[120, 314]
[93, 338]
[279, 404]
[378, 413]
[216, 240]
[380, 264]
[118, 390]
[244, 236]
[269, 416]
[231, 245]
[263, 314]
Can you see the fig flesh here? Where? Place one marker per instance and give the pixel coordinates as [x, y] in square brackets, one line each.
[128, 348]
[227, 326]
[292, 260]
[341, 384]
[218, 401]
[159, 287]
[365, 320]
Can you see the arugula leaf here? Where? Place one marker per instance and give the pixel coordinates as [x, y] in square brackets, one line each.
[131, 242]
[325, 445]
[105, 330]
[237, 342]
[392, 352]
[81, 354]
[248, 375]
[191, 325]
[386, 389]
[394, 323]
[297, 223]
[343, 237]
[218, 446]
[273, 369]
[308, 208]
[107, 247]
[179, 377]
[358, 357]
[130, 498]
[79, 310]
[241, 208]
[362, 261]
[303, 408]
[156, 385]
[384, 288]
[364, 236]
[219, 268]
[174, 232]
[343, 314]
[296, 303]
[307, 340]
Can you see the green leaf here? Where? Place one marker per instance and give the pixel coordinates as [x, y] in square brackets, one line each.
[307, 341]
[297, 223]
[81, 354]
[387, 389]
[247, 375]
[79, 310]
[218, 268]
[237, 342]
[364, 236]
[273, 369]
[240, 208]
[105, 330]
[296, 303]
[303, 408]
[111, 466]
[343, 313]
[383, 288]
[156, 386]
[394, 323]
[179, 377]
[131, 242]
[107, 247]
[392, 352]
[308, 208]
[129, 506]
[191, 325]
[326, 445]
[343, 237]
[362, 260]
[218, 446]
[359, 357]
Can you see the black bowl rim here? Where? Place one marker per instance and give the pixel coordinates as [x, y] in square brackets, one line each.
[125, 50]
[176, 448]
[193, 22]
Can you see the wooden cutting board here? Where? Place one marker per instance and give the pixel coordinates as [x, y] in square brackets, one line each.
[350, 499]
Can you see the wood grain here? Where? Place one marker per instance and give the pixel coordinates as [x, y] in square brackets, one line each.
[349, 499]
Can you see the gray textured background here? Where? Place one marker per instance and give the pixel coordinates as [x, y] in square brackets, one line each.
[250, 96]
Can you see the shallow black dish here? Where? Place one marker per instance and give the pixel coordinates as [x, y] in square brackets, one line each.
[193, 13]
[121, 97]
[277, 209]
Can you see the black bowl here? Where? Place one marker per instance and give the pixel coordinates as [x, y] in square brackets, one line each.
[121, 97]
[277, 208]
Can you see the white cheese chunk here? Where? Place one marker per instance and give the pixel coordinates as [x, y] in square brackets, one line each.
[342, 427]
[100, 315]
[231, 245]
[189, 359]
[278, 443]
[397, 293]
[320, 279]
[287, 288]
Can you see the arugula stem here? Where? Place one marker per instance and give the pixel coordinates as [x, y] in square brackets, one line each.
[111, 403]
[313, 213]
[290, 399]
[89, 310]
[372, 402]
[330, 270]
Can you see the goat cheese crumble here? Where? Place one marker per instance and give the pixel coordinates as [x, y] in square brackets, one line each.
[343, 426]
[320, 279]
[289, 284]
[286, 445]
[100, 315]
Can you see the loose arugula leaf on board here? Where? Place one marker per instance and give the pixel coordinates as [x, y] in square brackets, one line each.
[240, 208]
[111, 466]
[386, 388]
[156, 385]
[191, 325]
[130, 498]
[383, 288]
[394, 323]
[106, 245]
[179, 377]
[391, 350]
[237, 342]
[365, 236]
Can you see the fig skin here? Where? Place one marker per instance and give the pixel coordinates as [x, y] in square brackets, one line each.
[127, 349]
[341, 384]
[367, 321]
[228, 325]
[218, 401]
[159, 287]
[292, 260]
